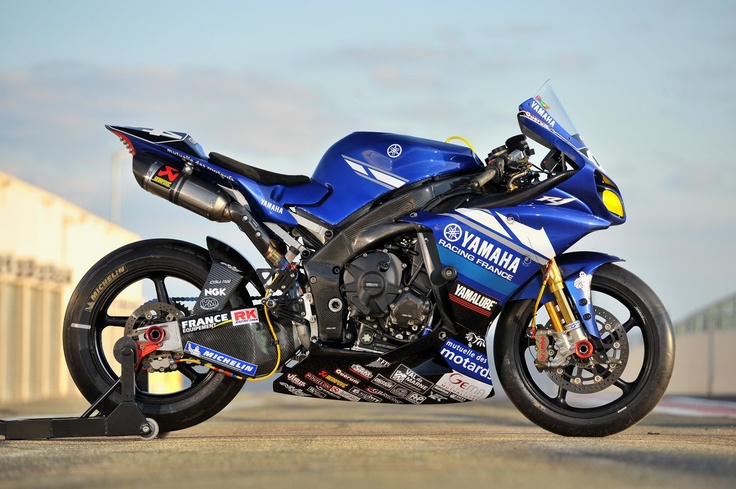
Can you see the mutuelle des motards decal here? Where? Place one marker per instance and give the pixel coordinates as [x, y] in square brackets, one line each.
[466, 360]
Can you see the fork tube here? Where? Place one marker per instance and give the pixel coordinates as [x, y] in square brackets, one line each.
[554, 316]
[557, 286]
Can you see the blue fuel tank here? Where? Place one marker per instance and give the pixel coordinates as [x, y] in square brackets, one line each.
[363, 166]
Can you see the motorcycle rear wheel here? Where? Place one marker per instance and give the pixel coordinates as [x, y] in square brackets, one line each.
[620, 298]
[96, 317]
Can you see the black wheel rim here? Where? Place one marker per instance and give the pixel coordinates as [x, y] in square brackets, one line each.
[108, 319]
[627, 309]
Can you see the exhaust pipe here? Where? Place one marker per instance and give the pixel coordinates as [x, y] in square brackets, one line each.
[205, 199]
[187, 191]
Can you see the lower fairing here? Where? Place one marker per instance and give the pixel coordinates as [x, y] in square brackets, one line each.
[439, 368]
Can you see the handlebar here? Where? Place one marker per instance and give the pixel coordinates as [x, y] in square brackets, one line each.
[496, 167]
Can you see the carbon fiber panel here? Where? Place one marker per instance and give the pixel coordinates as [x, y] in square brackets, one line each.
[249, 341]
[380, 223]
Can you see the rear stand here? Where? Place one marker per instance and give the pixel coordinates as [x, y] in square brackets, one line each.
[127, 419]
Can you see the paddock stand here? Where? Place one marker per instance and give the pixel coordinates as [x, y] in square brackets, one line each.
[126, 420]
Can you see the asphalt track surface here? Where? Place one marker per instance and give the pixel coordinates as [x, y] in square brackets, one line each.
[271, 441]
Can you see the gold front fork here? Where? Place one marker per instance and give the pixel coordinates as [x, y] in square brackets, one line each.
[558, 310]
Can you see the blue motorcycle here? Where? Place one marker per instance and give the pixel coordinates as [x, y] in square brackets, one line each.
[383, 274]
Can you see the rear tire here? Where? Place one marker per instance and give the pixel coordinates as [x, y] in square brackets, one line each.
[96, 317]
[619, 296]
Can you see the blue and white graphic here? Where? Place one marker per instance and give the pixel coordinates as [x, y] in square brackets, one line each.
[375, 175]
[466, 360]
[221, 359]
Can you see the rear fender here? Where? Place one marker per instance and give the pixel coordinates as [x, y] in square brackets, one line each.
[230, 257]
[225, 277]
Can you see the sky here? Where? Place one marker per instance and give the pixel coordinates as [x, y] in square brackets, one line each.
[274, 84]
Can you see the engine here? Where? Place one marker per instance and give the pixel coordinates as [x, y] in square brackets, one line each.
[387, 293]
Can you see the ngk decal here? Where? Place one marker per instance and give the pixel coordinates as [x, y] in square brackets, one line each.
[245, 316]
[215, 291]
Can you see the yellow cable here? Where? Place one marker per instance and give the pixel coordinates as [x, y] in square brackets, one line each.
[210, 366]
[460, 138]
[278, 348]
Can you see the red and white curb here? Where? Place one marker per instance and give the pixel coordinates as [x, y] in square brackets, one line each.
[693, 406]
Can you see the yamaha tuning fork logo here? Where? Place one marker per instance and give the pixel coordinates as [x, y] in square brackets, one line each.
[453, 232]
[394, 151]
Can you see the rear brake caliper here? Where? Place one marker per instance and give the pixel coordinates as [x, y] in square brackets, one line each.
[155, 328]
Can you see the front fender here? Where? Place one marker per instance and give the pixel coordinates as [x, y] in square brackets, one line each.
[577, 268]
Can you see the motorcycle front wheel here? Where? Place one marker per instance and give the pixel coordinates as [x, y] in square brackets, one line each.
[579, 399]
[158, 279]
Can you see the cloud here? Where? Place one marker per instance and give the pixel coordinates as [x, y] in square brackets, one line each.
[52, 117]
[66, 101]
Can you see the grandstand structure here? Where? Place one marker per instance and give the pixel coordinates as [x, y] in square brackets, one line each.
[706, 342]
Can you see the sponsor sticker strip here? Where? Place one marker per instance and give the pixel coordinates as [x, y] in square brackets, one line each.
[219, 358]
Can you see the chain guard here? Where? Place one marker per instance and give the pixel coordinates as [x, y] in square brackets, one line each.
[588, 376]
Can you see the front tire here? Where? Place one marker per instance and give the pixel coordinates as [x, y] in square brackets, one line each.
[97, 314]
[556, 405]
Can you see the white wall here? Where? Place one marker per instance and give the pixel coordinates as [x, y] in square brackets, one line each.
[703, 363]
[46, 246]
